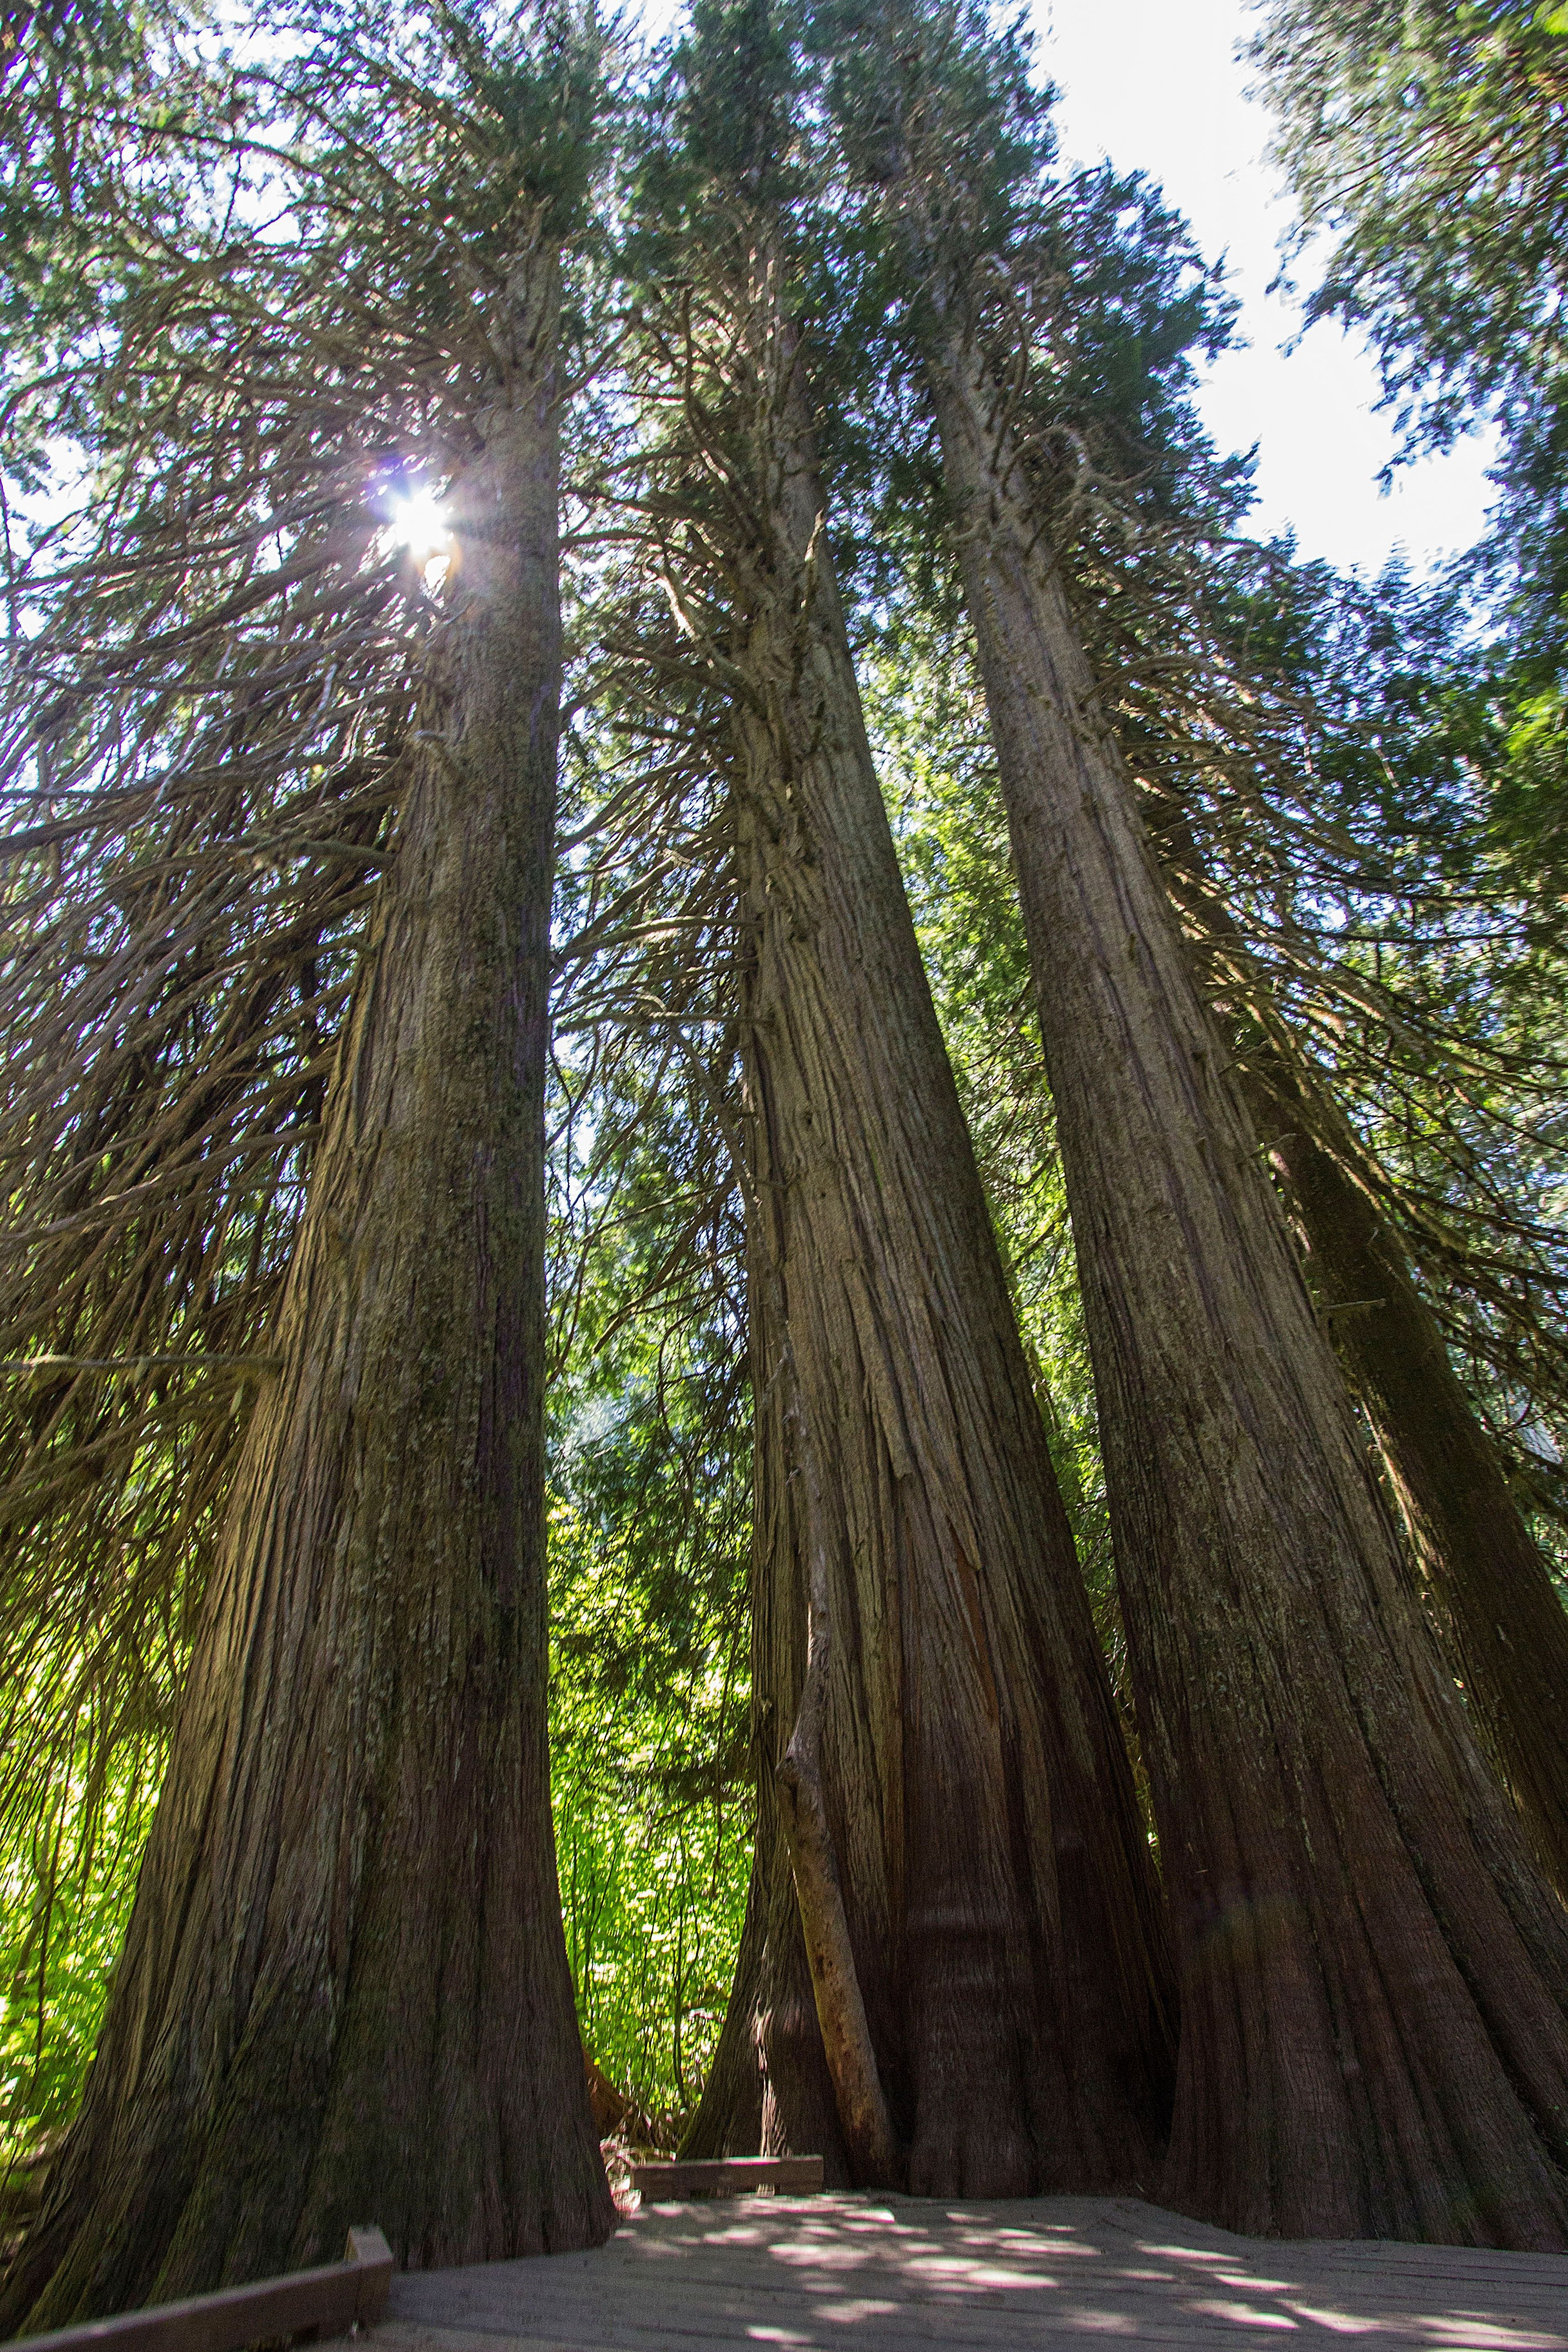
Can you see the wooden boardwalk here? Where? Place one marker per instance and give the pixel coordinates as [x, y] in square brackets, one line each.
[872, 2273]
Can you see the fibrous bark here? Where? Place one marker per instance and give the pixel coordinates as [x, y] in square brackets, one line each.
[1374, 1975]
[1497, 1610]
[345, 1994]
[866, 2125]
[995, 1880]
[1489, 1595]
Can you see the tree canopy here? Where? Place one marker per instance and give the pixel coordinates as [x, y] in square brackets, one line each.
[1424, 147]
[855, 433]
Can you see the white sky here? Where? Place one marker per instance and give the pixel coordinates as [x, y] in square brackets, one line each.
[1154, 84]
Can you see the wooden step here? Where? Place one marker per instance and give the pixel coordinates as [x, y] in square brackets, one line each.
[727, 2175]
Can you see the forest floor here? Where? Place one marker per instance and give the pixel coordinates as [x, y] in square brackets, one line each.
[871, 2274]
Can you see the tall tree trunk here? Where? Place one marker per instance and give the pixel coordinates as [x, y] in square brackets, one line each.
[769, 2086]
[1497, 1610]
[1008, 1952]
[1496, 1613]
[344, 1993]
[1374, 1975]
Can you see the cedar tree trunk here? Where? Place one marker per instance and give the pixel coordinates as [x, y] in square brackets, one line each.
[956, 1729]
[345, 1994]
[1497, 1610]
[1374, 1975]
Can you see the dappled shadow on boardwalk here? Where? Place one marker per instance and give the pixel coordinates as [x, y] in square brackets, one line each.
[871, 2274]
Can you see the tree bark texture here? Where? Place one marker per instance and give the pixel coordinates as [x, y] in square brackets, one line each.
[345, 1994]
[864, 2119]
[1490, 1594]
[769, 2088]
[1374, 1975]
[996, 1878]
[1497, 1610]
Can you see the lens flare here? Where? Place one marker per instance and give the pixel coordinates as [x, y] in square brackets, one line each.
[419, 524]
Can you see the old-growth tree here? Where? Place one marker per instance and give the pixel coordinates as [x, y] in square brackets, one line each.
[1353, 825]
[344, 1988]
[276, 929]
[1505, 1629]
[1387, 1002]
[977, 2000]
[1374, 1979]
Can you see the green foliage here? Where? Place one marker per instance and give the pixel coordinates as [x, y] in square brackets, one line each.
[530, 85]
[65, 1888]
[737, 75]
[63, 65]
[1371, 811]
[649, 1704]
[1429, 139]
[1530, 794]
[1429, 143]
[649, 1536]
[649, 1408]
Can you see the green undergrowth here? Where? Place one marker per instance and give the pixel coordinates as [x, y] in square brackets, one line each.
[649, 1701]
[652, 1827]
[65, 1886]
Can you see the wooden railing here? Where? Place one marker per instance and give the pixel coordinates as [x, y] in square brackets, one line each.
[324, 2302]
[728, 2176]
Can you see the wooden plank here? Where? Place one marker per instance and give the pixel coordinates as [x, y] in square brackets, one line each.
[728, 2176]
[324, 2302]
[840, 2273]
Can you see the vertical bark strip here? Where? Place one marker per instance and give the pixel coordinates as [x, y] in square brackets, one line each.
[1491, 1597]
[863, 2116]
[995, 1877]
[344, 1992]
[1496, 1607]
[1373, 1976]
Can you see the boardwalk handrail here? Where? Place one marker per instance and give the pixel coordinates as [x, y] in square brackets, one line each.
[327, 2302]
[727, 2175]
